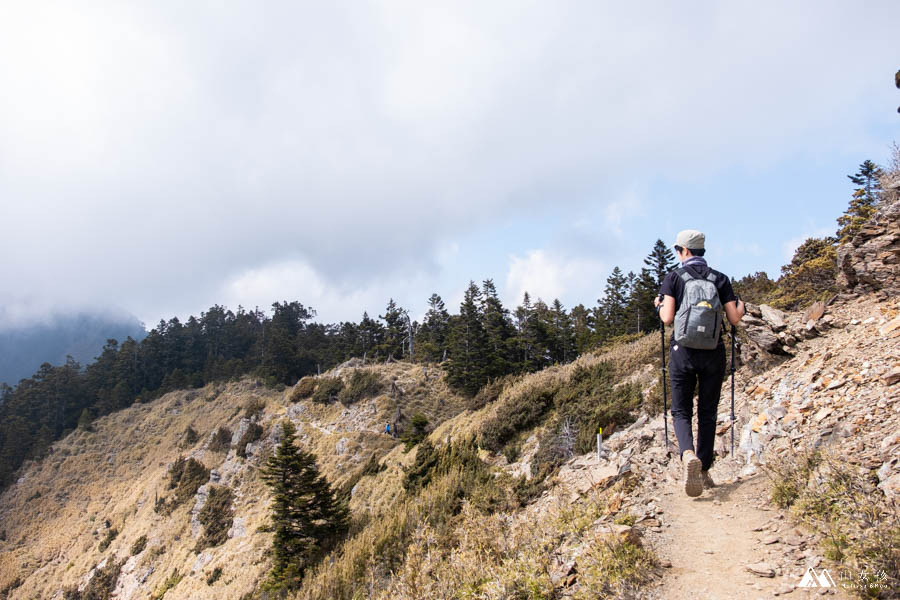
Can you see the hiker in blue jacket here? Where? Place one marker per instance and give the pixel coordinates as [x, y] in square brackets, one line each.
[697, 351]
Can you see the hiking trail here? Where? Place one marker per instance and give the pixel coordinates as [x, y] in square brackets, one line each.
[715, 536]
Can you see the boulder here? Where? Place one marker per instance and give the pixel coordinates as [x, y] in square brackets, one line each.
[871, 260]
[772, 316]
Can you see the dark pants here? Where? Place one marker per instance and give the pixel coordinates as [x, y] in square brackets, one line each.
[687, 369]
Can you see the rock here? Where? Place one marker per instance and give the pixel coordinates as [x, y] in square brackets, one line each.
[761, 569]
[763, 337]
[892, 376]
[753, 310]
[891, 486]
[869, 262]
[890, 440]
[772, 316]
[890, 326]
[815, 312]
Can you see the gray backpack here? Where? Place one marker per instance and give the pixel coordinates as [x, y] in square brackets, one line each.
[698, 321]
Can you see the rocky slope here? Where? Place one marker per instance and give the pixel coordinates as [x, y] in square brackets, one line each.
[57, 521]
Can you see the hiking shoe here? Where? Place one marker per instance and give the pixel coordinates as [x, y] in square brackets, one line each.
[707, 480]
[693, 483]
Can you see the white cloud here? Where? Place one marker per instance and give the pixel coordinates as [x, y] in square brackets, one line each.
[151, 154]
[791, 245]
[549, 275]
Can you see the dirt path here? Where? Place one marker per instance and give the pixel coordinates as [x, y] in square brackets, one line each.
[711, 539]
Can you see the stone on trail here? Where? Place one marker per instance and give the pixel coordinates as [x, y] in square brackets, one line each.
[762, 569]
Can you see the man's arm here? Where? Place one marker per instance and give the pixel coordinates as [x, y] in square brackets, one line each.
[667, 310]
[734, 310]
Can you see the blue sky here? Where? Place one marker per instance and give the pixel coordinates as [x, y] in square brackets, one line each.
[159, 158]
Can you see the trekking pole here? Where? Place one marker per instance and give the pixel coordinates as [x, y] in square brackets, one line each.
[662, 334]
[733, 335]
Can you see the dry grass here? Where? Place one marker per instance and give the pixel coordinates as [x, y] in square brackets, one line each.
[860, 529]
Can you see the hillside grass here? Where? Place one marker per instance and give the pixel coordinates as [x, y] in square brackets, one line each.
[860, 529]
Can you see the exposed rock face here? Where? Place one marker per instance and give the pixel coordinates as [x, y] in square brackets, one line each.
[871, 261]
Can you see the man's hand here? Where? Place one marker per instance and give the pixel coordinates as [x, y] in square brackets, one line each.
[657, 302]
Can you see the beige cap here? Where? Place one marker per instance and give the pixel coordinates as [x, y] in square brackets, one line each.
[691, 239]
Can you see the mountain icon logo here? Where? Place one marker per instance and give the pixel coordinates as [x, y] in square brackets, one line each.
[812, 579]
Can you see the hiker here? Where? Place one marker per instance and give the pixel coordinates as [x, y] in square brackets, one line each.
[387, 428]
[697, 351]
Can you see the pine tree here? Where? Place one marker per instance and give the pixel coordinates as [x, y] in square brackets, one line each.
[645, 290]
[661, 261]
[583, 328]
[563, 334]
[499, 330]
[431, 340]
[395, 332]
[864, 202]
[307, 517]
[613, 304]
[468, 345]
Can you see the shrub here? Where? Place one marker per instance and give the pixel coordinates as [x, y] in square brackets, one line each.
[189, 438]
[810, 276]
[185, 477]
[328, 390]
[139, 544]
[253, 433]
[432, 462]
[221, 440]
[100, 586]
[515, 414]
[173, 580]
[304, 389]
[612, 567]
[111, 534]
[253, 408]
[417, 431]
[363, 383]
[216, 516]
[860, 529]
[490, 391]
[214, 576]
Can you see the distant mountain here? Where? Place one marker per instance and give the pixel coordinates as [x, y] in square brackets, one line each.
[24, 349]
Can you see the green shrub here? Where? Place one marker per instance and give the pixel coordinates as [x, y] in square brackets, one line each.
[328, 390]
[173, 580]
[221, 440]
[363, 383]
[515, 414]
[432, 462]
[214, 576]
[100, 586]
[418, 429]
[185, 477]
[216, 516]
[189, 438]
[304, 389]
[139, 544]
[490, 391]
[111, 534]
[810, 276]
[253, 407]
[860, 528]
[253, 433]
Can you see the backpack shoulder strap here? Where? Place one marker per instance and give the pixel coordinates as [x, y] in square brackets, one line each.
[711, 276]
[684, 274]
